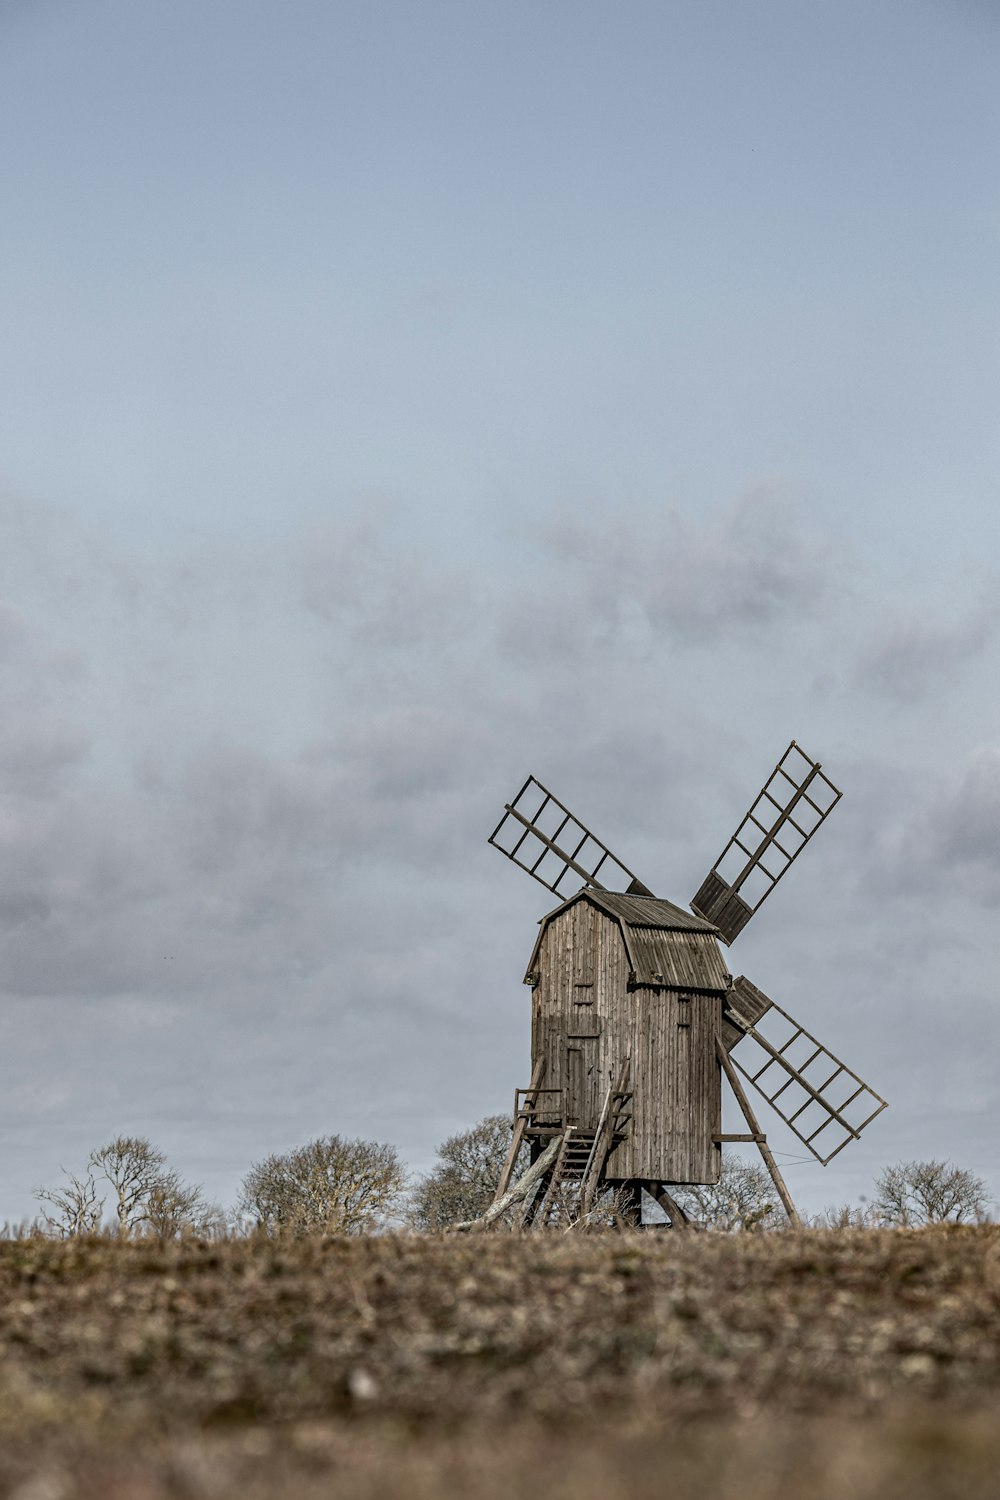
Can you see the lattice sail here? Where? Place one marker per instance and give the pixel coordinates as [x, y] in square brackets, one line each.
[542, 836]
[820, 1098]
[791, 805]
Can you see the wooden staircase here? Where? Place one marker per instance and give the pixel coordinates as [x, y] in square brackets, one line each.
[563, 1192]
[578, 1171]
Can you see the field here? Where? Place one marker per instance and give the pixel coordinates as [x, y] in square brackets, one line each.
[855, 1364]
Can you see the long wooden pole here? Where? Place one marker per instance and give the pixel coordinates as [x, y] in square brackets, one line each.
[520, 1124]
[520, 1189]
[762, 1146]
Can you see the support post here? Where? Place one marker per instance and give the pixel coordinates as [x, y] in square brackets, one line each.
[762, 1146]
[520, 1190]
[520, 1125]
[678, 1218]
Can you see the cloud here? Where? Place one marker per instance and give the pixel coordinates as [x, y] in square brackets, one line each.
[13, 629]
[357, 571]
[913, 654]
[36, 748]
[963, 827]
[245, 791]
[947, 843]
[693, 581]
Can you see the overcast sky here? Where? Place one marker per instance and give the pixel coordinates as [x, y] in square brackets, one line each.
[399, 398]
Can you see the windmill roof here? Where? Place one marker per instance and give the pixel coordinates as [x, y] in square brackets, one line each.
[650, 911]
[667, 946]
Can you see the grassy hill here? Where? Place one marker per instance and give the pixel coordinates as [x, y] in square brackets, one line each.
[862, 1364]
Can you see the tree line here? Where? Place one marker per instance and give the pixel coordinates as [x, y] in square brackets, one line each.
[334, 1186]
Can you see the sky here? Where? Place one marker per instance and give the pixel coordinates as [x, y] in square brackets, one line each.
[397, 400]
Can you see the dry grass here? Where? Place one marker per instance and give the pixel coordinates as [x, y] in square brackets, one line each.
[859, 1363]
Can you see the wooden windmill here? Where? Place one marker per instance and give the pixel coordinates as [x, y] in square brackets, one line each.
[635, 1016]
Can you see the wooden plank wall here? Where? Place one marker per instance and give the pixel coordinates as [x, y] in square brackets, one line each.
[582, 1002]
[677, 1088]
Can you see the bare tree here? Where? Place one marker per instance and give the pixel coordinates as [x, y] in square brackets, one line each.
[330, 1186]
[175, 1208]
[148, 1196]
[72, 1209]
[136, 1170]
[912, 1194]
[461, 1186]
[743, 1198]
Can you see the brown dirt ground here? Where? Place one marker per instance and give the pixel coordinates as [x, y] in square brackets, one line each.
[855, 1364]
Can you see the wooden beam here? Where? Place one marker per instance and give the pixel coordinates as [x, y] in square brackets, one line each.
[520, 1125]
[678, 1218]
[520, 1190]
[755, 1138]
[761, 1141]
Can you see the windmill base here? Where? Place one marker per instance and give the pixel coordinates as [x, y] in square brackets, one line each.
[567, 1174]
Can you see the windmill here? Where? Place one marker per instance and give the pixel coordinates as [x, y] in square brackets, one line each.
[636, 1019]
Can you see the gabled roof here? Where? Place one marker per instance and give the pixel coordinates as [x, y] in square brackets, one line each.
[648, 911]
[666, 945]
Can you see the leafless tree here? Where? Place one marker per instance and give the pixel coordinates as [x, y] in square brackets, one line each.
[743, 1198]
[912, 1194]
[72, 1209]
[135, 1170]
[330, 1186]
[461, 1186]
[175, 1208]
[148, 1196]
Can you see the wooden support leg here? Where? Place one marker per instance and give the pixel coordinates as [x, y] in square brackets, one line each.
[678, 1218]
[762, 1146]
[523, 1189]
[533, 1203]
[520, 1123]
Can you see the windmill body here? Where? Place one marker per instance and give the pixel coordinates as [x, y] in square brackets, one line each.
[636, 1019]
[617, 977]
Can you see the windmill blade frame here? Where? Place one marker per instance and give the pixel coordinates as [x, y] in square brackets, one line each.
[540, 835]
[794, 801]
[806, 1103]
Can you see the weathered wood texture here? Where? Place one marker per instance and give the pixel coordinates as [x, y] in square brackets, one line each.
[586, 1021]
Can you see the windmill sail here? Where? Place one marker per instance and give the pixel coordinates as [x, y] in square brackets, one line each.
[791, 805]
[542, 836]
[820, 1098]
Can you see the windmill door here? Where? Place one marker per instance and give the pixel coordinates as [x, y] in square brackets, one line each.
[583, 1085]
